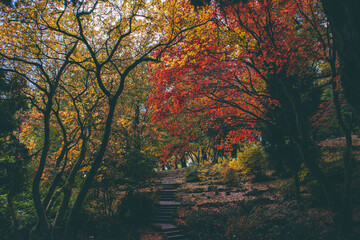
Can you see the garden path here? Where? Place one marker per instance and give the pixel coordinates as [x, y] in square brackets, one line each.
[164, 214]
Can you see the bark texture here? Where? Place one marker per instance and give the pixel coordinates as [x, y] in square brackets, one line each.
[344, 18]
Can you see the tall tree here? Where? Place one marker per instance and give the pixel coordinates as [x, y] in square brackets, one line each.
[344, 19]
[106, 40]
[271, 61]
[14, 155]
[345, 23]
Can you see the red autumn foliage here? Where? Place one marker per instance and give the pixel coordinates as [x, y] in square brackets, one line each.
[211, 84]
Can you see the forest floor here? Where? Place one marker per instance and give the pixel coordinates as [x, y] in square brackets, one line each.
[250, 209]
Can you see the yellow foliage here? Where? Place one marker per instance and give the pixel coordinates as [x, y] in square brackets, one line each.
[251, 159]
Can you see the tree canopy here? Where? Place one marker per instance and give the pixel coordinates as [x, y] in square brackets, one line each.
[97, 95]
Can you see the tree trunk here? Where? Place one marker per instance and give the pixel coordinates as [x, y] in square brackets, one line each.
[183, 162]
[344, 18]
[347, 221]
[53, 186]
[67, 188]
[42, 226]
[70, 225]
[303, 142]
[301, 137]
[334, 202]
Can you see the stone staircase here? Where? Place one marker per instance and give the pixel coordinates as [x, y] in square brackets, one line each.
[165, 212]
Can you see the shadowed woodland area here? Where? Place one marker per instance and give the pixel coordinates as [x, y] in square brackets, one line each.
[179, 119]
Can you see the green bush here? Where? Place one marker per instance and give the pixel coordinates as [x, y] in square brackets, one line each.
[251, 160]
[192, 174]
[229, 176]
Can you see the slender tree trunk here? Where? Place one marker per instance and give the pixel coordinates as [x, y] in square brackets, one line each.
[347, 221]
[215, 156]
[70, 225]
[52, 200]
[183, 162]
[67, 188]
[51, 191]
[56, 180]
[42, 227]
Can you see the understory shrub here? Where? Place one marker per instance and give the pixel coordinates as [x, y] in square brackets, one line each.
[255, 221]
[26, 217]
[139, 209]
[133, 215]
[211, 171]
[251, 160]
[229, 176]
[192, 174]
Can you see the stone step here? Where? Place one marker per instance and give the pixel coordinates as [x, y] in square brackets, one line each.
[163, 217]
[172, 209]
[168, 227]
[167, 207]
[169, 203]
[174, 232]
[167, 194]
[162, 220]
[159, 215]
[180, 236]
[167, 190]
[170, 186]
[166, 210]
[164, 214]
